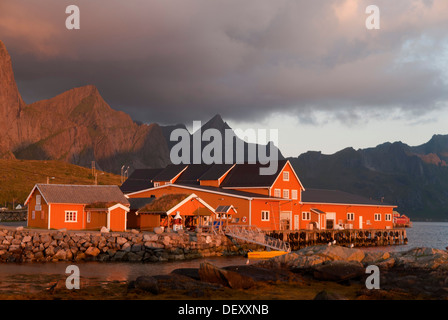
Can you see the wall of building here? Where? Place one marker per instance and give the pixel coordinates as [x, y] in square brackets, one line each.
[40, 218]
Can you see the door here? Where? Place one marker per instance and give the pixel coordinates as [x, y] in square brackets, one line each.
[330, 218]
[296, 222]
[360, 222]
[285, 220]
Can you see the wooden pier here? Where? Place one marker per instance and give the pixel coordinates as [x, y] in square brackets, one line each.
[298, 239]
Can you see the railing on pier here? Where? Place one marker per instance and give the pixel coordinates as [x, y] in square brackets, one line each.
[255, 235]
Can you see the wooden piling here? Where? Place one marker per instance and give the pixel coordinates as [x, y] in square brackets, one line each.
[348, 237]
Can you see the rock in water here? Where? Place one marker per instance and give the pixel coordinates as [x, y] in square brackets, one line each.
[210, 273]
[147, 283]
[338, 271]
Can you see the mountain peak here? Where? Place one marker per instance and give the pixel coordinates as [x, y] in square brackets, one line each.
[10, 99]
[216, 123]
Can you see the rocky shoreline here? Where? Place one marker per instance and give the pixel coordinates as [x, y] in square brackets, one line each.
[315, 272]
[32, 245]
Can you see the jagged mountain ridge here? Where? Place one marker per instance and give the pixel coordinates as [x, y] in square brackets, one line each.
[77, 126]
[413, 178]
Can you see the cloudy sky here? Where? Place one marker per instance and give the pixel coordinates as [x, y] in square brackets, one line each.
[310, 69]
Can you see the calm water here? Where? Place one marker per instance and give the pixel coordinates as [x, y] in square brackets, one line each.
[422, 234]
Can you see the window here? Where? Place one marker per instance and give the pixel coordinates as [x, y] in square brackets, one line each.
[42, 215]
[285, 175]
[38, 202]
[71, 216]
[156, 184]
[388, 217]
[264, 215]
[377, 216]
[277, 193]
[306, 216]
[350, 216]
[89, 214]
[33, 214]
[294, 194]
[286, 193]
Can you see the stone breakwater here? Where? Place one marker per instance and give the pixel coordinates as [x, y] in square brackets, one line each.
[24, 245]
[15, 215]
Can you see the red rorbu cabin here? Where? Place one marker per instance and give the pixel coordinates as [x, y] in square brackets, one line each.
[77, 207]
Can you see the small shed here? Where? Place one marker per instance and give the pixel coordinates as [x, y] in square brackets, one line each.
[175, 211]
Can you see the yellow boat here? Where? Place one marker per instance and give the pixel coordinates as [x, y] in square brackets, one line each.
[264, 254]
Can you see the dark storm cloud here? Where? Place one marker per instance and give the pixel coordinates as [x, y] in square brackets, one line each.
[177, 61]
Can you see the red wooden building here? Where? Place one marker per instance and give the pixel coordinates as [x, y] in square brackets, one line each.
[77, 207]
[271, 202]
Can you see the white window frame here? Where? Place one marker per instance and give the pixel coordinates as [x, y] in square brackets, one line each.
[89, 216]
[377, 217]
[156, 184]
[306, 215]
[33, 215]
[350, 216]
[277, 193]
[287, 193]
[71, 218]
[285, 175]
[265, 215]
[294, 194]
[388, 217]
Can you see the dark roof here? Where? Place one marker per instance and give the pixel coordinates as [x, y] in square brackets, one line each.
[145, 174]
[216, 171]
[164, 203]
[132, 185]
[248, 175]
[140, 179]
[336, 196]
[223, 209]
[137, 203]
[81, 194]
[193, 172]
[228, 191]
[171, 171]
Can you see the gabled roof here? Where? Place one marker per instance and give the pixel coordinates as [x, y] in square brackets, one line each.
[193, 172]
[337, 197]
[225, 209]
[248, 175]
[80, 194]
[140, 179]
[170, 172]
[137, 203]
[169, 203]
[216, 171]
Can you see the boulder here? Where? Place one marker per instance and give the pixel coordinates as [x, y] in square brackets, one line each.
[104, 230]
[121, 240]
[158, 230]
[338, 271]
[60, 255]
[325, 295]
[212, 274]
[92, 251]
[147, 283]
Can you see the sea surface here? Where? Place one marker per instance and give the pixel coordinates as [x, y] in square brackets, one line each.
[422, 234]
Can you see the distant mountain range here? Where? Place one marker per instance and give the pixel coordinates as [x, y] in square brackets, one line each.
[79, 127]
[414, 178]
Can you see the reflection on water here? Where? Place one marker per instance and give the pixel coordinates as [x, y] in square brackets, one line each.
[112, 271]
